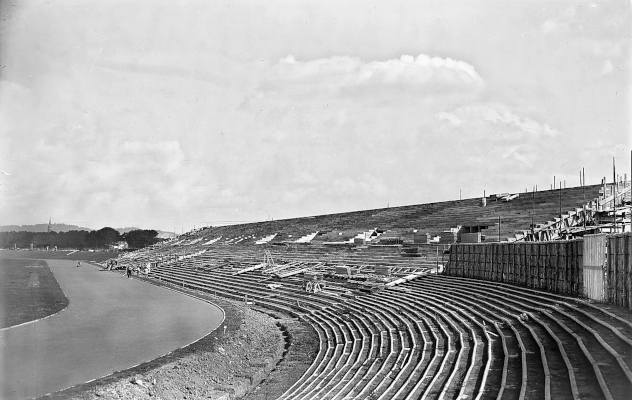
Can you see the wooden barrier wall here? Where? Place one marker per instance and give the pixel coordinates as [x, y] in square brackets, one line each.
[595, 256]
[618, 270]
[553, 266]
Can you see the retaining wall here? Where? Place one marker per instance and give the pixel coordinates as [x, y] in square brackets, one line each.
[553, 266]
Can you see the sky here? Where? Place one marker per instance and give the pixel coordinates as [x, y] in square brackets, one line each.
[179, 114]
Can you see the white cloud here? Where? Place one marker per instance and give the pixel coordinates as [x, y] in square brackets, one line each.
[560, 23]
[446, 116]
[163, 154]
[365, 184]
[348, 75]
[605, 48]
[496, 114]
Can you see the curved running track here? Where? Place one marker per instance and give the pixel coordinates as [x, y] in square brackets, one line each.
[112, 323]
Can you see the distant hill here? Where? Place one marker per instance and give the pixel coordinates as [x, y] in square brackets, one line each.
[42, 228]
[66, 228]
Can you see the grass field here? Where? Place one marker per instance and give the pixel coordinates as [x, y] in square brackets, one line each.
[28, 291]
[98, 256]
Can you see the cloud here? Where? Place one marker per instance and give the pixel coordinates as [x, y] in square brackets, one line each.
[162, 70]
[446, 116]
[607, 67]
[560, 23]
[496, 114]
[598, 32]
[363, 185]
[488, 139]
[166, 155]
[348, 76]
[606, 48]
[589, 20]
[106, 182]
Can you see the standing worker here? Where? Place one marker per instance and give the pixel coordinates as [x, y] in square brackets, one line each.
[128, 271]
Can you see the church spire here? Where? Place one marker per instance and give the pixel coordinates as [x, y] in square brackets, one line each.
[49, 225]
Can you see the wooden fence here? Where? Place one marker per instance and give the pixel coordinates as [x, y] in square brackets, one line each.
[618, 270]
[595, 256]
[553, 266]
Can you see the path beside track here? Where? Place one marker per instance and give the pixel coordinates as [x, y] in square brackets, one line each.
[112, 323]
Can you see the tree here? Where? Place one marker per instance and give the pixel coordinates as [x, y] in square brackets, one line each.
[102, 238]
[139, 238]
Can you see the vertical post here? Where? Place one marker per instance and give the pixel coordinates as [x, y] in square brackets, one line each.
[614, 206]
[628, 266]
[615, 268]
[614, 195]
[560, 200]
[438, 258]
[583, 185]
[532, 212]
[614, 172]
[499, 228]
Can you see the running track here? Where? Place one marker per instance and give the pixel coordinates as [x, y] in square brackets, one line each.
[112, 323]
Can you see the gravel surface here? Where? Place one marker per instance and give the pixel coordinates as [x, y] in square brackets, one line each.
[252, 354]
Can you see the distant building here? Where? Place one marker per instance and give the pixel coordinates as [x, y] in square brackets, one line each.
[122, 245]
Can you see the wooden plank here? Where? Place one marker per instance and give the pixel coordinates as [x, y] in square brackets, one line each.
[577, 268]
[514, 253]
[552, 264]
[492, 260]
[563, 276]
[503, 262]
[624, 270]
[610, 283]
[539, 249]
[480, 258]
[621, 267]
[559, 265]
[612, 249]
[500, 263]
[628, 267]
[620, 292]
[527, 264]
[487, 261]
[454, 250]
[473, 254]
[567, 252]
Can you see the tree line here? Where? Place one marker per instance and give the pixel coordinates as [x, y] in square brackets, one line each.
[80, 240]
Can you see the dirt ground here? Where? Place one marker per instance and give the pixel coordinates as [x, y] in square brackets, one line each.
[252, 354]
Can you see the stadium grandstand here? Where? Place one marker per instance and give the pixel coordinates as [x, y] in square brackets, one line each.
[394, 320]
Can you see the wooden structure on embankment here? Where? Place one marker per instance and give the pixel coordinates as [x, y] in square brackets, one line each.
[598, 267]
